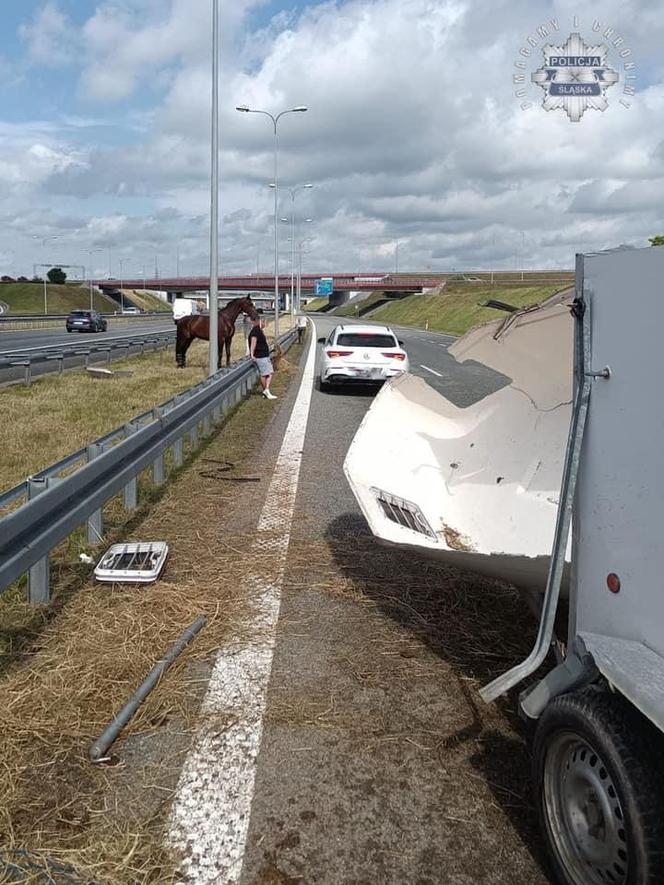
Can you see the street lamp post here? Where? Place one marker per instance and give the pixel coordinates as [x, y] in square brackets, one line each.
[213, 303]
[293, 191]
[275, 119]
[298, 287]
[122, 263]
[90, 253]
[44, 240]
[299, 270]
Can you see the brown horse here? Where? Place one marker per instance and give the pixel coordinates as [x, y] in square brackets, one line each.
[198, 326]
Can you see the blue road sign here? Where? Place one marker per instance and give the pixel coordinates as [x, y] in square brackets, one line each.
[324, 286]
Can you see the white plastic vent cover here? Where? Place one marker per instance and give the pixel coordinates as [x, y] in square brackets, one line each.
[141, 562]
[404, 513]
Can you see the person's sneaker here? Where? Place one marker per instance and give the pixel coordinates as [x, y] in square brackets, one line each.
[268, 395]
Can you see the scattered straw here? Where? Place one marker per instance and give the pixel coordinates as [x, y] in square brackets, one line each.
[76, 663]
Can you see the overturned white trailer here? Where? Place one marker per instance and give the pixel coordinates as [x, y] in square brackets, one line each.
[556, 483]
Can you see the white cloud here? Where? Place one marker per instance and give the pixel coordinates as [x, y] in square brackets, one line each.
[50, 37]
[413, 133]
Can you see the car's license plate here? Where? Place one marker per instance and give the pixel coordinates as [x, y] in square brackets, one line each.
[79, 323]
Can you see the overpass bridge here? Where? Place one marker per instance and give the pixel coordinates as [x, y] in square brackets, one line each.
[344, 282]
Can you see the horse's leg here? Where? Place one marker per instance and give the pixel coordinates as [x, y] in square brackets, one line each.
[229, 341]
[182, 342]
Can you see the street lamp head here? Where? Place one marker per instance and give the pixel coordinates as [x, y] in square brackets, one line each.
[300, 107]
[283, 219]
[307, 185]
[272, 184]
[243, 108]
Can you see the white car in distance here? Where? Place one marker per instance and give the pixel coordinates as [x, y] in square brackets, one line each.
[361, 354]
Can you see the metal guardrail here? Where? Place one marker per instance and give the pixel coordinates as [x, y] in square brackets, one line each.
[56, 505]
[25, 357]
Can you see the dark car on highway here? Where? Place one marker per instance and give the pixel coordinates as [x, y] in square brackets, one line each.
[86, 321]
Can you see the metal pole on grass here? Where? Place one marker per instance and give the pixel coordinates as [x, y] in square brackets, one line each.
[213, 352]
[101, 745]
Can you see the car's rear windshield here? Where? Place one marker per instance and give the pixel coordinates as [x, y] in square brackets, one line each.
[368, 339]
[80, 313]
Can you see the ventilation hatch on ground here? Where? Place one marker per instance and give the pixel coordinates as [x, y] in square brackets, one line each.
[140, 562]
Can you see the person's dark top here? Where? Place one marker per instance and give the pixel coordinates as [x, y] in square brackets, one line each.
[261, 348]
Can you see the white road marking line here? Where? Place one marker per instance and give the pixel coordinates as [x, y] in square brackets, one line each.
[433, 371]
[212, 809]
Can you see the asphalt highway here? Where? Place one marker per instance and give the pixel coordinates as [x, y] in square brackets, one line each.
[429, 359]
[20, 339]
[378, 762]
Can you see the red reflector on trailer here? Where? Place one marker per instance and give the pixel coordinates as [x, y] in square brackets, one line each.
[613, 582]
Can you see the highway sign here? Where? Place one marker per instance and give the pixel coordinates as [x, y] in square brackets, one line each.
[324, 286]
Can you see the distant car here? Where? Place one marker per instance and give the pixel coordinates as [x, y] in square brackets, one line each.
[361, 354]
[86, 321]
[132, 311]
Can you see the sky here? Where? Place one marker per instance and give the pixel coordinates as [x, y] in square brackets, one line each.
[418, 148]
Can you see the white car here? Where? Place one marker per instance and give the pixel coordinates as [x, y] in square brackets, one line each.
[356, 353]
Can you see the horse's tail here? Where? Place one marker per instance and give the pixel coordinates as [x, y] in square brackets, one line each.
[182, 340]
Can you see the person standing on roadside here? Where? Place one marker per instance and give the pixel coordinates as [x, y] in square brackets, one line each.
[301, 326]
[260, 354]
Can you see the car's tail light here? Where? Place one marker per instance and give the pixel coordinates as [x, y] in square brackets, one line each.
[335, 353]
[395, 356]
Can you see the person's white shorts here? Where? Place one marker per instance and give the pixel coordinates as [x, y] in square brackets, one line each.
[264, 365]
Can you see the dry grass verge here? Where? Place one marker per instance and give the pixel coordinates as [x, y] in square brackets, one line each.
[106, 823]
[58, 415]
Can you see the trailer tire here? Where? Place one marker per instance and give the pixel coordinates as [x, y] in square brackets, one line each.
[599, 790]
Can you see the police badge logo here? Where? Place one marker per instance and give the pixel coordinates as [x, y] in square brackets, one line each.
[575, 77]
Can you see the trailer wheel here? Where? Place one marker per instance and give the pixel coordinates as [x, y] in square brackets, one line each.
[599, 790]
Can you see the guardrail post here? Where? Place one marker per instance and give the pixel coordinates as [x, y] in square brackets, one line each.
[27, 370]
[206, 425]
[95, 524]
[130, 491]
[178, 452]
[158, 470]
[38, 574]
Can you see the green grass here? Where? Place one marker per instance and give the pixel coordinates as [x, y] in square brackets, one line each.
[28, 298]
[458, 308]
[58, 414]
[147, 301]
[350, 310]
[317, 304]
